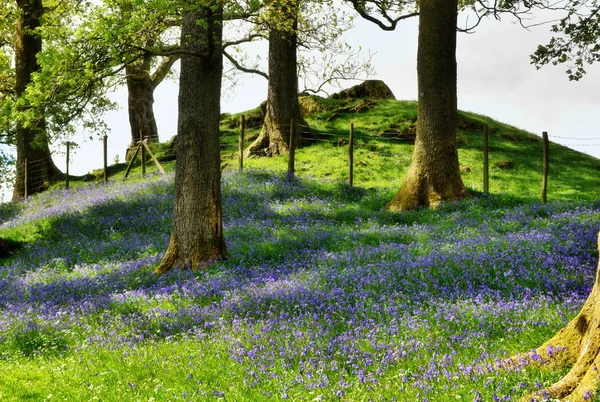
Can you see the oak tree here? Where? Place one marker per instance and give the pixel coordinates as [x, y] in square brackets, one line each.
[197, 231]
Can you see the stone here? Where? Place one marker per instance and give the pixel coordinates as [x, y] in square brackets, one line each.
[374, 89]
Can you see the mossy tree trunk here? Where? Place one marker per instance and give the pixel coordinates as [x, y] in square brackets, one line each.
[197, 232]
[576, 345]
[434, 172]
[141, 84]
[140, 102]
[282, 96]
[32, 140]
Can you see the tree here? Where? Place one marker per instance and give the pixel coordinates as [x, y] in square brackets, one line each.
[142, 33]
[434, 172]
[197, 232]
[577, 39]
[31, 137]
[282, 96]
[297, 32]
[141, 83]
[578, 343]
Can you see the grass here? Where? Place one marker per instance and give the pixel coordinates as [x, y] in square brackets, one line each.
[325, 295]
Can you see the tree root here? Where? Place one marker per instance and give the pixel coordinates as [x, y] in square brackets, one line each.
[577, 345]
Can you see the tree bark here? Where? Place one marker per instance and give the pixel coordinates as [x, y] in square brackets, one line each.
[282, 96]
[434, 172]
[140, 102]
[197, 232]
[576, 345]
[140, 87]
[32, 140]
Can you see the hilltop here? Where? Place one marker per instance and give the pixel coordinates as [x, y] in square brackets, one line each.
[384, 134]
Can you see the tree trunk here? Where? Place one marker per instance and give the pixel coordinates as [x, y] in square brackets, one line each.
[197, 232]
[140, 102]
[32, 141]
[434, 173]
[282, 96]
[576, 345]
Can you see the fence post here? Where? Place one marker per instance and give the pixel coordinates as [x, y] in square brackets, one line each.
[351, 155]
[68, 157]
[241, 142]
[546, 151]
[143, 156]
[486, 164]
[105, 152]
[26, 179]
[292, 149]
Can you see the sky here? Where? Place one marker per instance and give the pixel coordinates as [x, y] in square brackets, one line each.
[495, 78]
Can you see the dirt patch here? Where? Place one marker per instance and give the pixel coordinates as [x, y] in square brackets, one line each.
[362, 106]
[517, 137]
[505, 164]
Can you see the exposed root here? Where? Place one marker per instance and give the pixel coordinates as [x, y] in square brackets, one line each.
[259, 146]
[578, 345]
[168, 261]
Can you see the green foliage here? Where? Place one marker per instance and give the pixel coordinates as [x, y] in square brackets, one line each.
[32, 338]
[577, 40]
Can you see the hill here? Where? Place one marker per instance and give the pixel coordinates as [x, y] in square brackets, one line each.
[383, 133]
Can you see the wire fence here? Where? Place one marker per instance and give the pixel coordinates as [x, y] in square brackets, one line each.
[386, 143]
[382, 144]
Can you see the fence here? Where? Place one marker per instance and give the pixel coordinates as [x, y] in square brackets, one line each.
[320, 136]
[298, 133]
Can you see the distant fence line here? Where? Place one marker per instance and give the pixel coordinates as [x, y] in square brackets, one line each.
[298, 133]
[351, 142]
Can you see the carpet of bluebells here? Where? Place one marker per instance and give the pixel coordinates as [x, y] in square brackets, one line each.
[324, 295]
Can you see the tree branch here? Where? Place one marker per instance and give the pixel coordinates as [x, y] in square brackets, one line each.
[244, 69]
[163, 69]
[247, 39]
[388, 24]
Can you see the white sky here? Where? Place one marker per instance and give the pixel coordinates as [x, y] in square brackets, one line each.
[495, 78]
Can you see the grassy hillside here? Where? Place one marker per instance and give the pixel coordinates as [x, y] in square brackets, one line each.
[382, 152]
[325, 295]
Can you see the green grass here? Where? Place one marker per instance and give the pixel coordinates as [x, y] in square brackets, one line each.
[382, 163]
[309, 238]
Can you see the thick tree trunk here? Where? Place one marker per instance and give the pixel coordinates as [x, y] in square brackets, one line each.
[576, 345]
[197, 233]
[32, 141]
[140, 101]
[282, 96]
[434, 173]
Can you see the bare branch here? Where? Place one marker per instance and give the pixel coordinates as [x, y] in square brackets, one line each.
[244, 69]
[388, 24]
[247, 39]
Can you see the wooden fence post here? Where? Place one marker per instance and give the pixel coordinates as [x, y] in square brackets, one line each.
[143, 156]
[68, 157]
[486, 164]
[241, 142]
[292, 149]
[26, 179]
[105, 152]
[351, 155]
[546, 151]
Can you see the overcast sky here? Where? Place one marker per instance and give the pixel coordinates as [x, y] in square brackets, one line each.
[495, 78]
